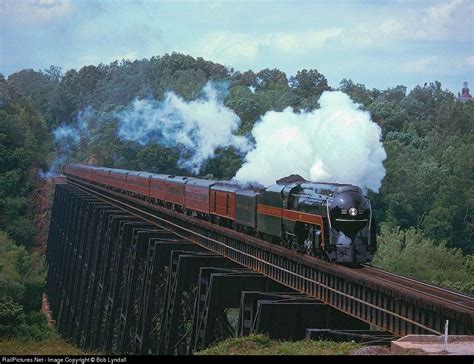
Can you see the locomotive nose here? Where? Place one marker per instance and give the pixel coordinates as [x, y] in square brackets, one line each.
[351, 203]
[349, 211]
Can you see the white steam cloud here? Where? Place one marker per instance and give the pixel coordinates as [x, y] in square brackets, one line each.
[335, 143]
[200, 126]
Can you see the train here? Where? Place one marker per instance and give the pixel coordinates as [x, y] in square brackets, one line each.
[331, 221]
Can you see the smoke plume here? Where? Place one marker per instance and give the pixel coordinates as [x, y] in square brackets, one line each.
[67, 138]
[335, 143]
[200, 126]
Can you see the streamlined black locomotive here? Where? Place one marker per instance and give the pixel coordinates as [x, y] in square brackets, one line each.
[328, 220]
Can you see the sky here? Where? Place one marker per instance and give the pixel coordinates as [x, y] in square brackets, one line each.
[377, 43]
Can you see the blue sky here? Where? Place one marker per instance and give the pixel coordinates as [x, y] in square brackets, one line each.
[379, 43]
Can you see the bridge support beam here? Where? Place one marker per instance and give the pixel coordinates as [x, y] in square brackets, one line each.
[219, 292]
[288, 315]
[148, 327]
[182, 286]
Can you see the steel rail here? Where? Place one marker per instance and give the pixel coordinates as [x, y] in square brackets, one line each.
[371, 268]
[147, 216]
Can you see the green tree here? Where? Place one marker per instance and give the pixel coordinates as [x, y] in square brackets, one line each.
[12, 319]
[308, 87]
[37, 86]
[357, 92]
[388, 115]
[271, 79]
[224, 165]
[22, 275]
[246, 105]
[410, 253]
[158, 159]
[249, 79]
[24, 143]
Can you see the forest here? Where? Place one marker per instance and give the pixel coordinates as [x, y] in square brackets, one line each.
[424, 206]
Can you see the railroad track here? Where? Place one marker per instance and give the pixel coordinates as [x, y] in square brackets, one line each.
[431, 290]
[390, 301]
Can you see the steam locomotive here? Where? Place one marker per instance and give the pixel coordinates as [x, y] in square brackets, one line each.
[328, 220]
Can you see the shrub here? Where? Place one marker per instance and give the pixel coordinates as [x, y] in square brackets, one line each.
[410, 253]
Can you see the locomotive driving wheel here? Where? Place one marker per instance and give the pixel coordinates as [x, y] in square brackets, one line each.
[286, 238]
[309, 248]
[311, 243]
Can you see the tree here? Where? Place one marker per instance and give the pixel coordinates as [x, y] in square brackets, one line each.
[24, 141]
[394, 95]
[357, 92]
[158, 159]
[410, 253]
[423, 102]
[271, 79]
[308, 87]
[37, 86]
[224, 165]
[388, 115]
[54, 73]
[12, 319]
[22, 275]
[246, 105]
[450, 215]
[249, 79]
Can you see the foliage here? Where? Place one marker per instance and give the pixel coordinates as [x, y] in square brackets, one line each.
[259, 344]
[24, 141]
[22, 281]
[39, 86]
[308, 87]
[410, 253]
[49, 346]
[225, 165]
[15, 323]
[12, 318]
[357, 92]
[246, 104]
[22, 274]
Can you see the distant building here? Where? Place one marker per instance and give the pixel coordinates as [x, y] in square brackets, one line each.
[464, 95]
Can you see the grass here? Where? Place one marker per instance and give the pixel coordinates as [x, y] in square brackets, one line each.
[263, 345]
[53, 346]
[247, 345]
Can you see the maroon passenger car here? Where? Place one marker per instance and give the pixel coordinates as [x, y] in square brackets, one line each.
[197, 195]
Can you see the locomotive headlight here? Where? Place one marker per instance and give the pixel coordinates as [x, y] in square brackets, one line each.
[353, 211]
